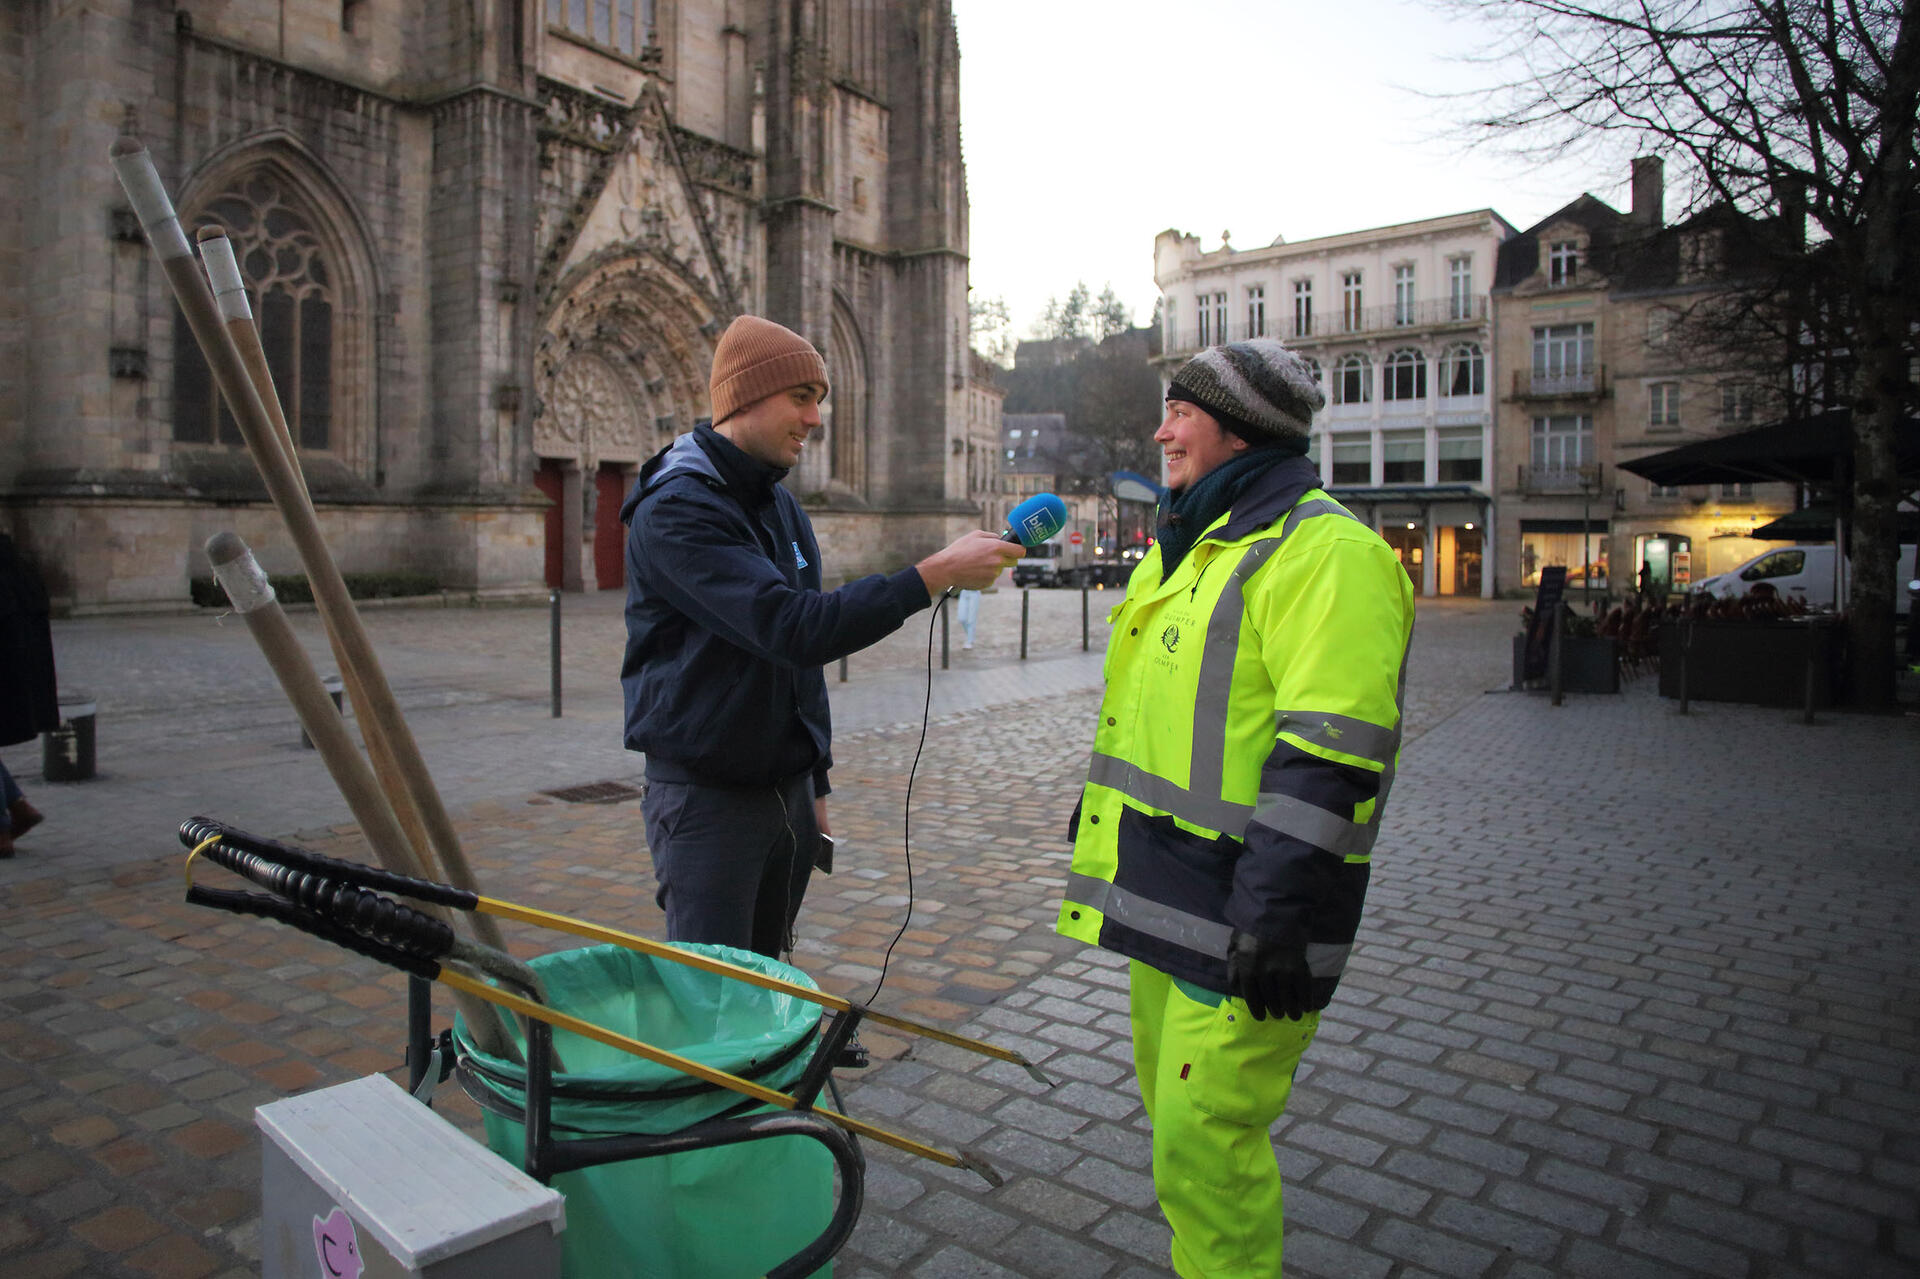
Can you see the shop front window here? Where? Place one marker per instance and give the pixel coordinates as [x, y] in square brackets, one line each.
[1585, 558]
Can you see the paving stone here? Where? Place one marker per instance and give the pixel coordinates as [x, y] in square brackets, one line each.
[1503, 1231]
[1039, 1252]
[957, 1263]
[1136, 1234]
[1110, 1181]
[1321, 1257]
[955, 1216]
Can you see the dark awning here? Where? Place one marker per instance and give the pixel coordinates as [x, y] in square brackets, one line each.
[1815, 450]
[1815, 524]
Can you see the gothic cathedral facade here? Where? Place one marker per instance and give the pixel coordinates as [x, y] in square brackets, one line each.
[491, 245]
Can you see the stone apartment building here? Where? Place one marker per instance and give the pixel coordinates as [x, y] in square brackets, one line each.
[1599, 363]
[977, 457]
[492, 246]
[1395, 320]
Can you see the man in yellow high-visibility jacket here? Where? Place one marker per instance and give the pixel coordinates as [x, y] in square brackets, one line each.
[1241, 761]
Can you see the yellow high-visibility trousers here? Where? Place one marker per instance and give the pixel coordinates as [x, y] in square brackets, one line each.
[1214, 1080]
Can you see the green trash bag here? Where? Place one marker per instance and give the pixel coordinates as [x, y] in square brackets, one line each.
[726, 1213]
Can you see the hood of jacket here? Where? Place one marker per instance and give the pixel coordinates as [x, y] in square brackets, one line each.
[713, 459]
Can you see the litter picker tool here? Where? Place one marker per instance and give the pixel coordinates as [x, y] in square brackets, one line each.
[341, 902]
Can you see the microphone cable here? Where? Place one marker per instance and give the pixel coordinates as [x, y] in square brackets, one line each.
[906, 815]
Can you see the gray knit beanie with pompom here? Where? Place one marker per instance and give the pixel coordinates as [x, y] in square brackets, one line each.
[1260, 390]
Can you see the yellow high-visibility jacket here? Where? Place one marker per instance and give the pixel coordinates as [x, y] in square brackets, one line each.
[1246, 740]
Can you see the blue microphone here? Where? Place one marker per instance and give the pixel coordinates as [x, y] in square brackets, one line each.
[1035, 520]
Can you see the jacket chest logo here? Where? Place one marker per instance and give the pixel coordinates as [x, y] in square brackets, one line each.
[1171, 636]
[799, 560]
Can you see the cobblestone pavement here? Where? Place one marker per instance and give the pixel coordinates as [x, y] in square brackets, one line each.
[1636, 993]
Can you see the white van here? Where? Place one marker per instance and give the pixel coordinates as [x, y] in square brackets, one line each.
[1803, 573]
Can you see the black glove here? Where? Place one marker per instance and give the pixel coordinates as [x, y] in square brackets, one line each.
[1270, 976]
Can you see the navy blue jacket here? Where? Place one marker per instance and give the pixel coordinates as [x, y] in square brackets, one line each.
[727, 626]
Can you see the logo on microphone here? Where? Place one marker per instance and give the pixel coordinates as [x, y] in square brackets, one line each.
[1034, 528]
[1171, 638]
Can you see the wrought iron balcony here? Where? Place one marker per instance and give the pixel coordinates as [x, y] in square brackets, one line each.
[1561, 479]
[1336, 323]
[1589, 383]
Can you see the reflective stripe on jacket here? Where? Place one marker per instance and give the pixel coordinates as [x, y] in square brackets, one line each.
[1246, 741]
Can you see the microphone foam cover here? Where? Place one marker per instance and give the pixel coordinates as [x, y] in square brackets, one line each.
[1037, 519]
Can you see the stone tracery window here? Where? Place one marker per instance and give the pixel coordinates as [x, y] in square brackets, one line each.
[291, 290]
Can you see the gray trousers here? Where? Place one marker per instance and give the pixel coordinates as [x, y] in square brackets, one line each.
[732, 864]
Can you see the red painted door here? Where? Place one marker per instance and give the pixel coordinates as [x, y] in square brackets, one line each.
[609, 534]
[547, 480]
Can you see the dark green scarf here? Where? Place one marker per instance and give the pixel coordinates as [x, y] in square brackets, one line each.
[1196, 507]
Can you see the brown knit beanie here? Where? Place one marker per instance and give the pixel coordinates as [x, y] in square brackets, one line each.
[757, 358]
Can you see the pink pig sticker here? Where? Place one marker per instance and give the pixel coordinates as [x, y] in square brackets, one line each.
[339, 1250]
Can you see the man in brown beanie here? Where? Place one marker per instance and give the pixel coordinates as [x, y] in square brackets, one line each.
[727, 631]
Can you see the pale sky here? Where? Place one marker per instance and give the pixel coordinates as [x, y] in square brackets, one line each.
[1089, 126]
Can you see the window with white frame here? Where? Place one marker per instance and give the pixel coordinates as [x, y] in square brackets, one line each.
[1463, 370]
[626, 25]
[1461, 450]
[1313, 368]
[1736, 403]
[1404, 375]
[1220, 319]
[1662, 322]
[1403, 293]
[1352, 459]
[1563, 263]
[1205, 313]
[1403, 457]
[1303, 308]
[1663, 405]
[1350, 318]
[1741, 491]
[1563, 350]
[1352, 380]
[1256, 310]
[1460, 287]
[1562, 442]
[1170, 334]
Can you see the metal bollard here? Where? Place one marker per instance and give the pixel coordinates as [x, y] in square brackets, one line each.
[1085, 590]
[843, 668]
[943, 635]
[1555, 679]
[1025, 601]
[67, 752]
[1813, 648]
[333, 686]
[1686, 645]
[553, 600]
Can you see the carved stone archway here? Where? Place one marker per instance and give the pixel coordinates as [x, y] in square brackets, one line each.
[620, 370]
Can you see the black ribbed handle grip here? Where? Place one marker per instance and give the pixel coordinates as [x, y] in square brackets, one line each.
[285, 912]
[363, 913]
[196, 830]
